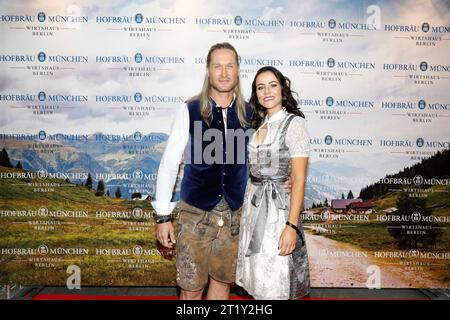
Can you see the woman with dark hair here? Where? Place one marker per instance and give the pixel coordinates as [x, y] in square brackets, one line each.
[289, 102]
[272, 260]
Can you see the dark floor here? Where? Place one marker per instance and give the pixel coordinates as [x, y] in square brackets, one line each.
[29, 292]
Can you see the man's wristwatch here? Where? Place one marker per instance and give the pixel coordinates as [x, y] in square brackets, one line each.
[163, 219]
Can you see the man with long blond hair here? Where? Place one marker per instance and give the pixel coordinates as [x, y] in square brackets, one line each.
[214, 181]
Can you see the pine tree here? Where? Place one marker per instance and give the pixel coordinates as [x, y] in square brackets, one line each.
[89, 181]
[19, 165]
[4, 159]
[118, 193]
[107, 193]
[100, 188]
[350, 195]
[342, 196]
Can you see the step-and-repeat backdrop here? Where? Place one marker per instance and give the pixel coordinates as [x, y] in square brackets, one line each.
[89, 90]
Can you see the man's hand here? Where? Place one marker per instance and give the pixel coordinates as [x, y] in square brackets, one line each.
[165, 235]
[288, 185]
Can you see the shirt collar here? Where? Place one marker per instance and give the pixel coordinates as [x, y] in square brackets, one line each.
[277, 116]
[216, 105]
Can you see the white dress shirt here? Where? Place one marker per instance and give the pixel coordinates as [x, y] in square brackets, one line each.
[171, 160]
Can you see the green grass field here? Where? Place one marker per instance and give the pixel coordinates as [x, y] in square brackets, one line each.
[85, 232]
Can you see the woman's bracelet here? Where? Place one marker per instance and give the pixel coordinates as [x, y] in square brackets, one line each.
[293, 226]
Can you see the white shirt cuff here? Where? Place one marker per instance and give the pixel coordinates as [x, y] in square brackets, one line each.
[163, 208]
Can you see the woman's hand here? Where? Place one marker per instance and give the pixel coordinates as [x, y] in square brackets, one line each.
[287, 242]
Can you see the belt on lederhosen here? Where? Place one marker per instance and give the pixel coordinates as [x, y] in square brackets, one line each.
[222, 205]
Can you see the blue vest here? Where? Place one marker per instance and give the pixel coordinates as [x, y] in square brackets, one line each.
[205, 183]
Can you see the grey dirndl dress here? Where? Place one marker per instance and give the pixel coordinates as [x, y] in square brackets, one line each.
[260, 270]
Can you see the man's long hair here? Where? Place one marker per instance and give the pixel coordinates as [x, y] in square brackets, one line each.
[205, 100]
